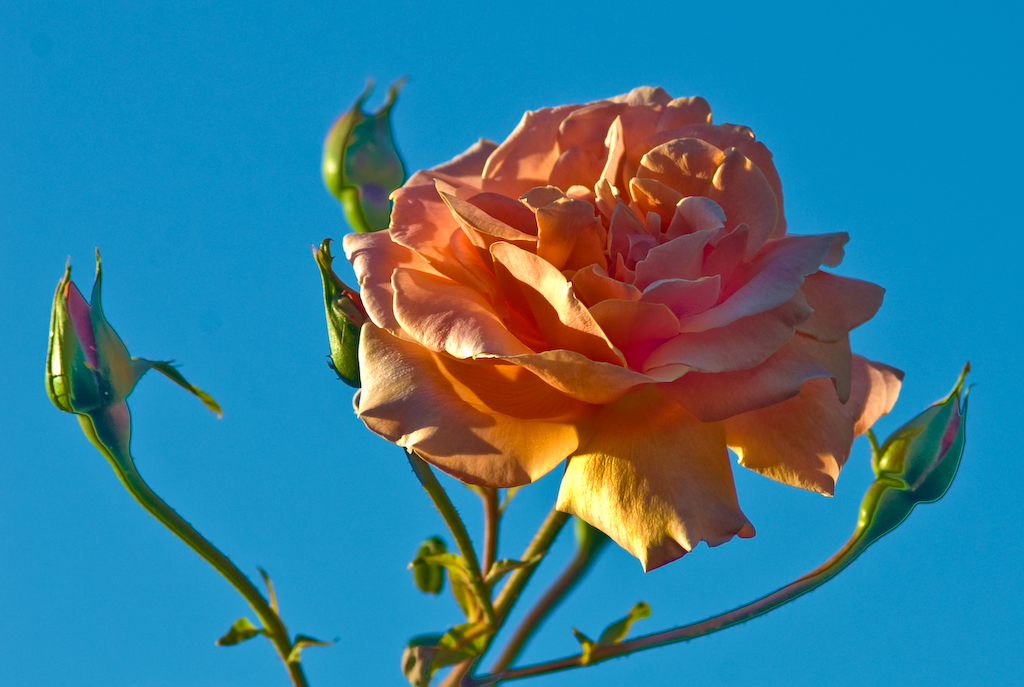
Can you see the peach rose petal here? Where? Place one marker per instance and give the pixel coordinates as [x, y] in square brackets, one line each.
[467, 166]
[593, 285]
[884, 383]
[481, 228]
[695, 213]
[727, 255]
[576, 167]
[777, 274]
[840, 304]
[634, 327]
[588, 125]
[654, 479]
[680, 258]
[740, 345]
[482, 422]
[686, 165]
[566, 225]
[715, 396]
[525, 158]
[374, 257]
[684, 111]
[561, 318]
[580, 377]
[745, 196]
[723, 136]
[684, 297]
[422, 222]
[445, 316]
[805, 441]
[653, 196]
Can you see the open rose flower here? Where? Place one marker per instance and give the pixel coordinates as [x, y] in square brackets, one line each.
[614, 285]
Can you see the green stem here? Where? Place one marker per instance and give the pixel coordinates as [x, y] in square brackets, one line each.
[116, 453]
[819, 576]
[454, 522]
[518, 578]
[272, 624]
[492, 516]
[573, 573]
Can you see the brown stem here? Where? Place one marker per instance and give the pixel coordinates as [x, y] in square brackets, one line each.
[571, 575]
[492, 516]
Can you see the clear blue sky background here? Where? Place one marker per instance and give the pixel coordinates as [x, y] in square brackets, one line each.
[185, 143]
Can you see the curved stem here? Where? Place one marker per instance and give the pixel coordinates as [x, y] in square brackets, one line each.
[116, 453]
[458, 529]
[272, 624]
[518, 578]
[566, 582]
[820, 575]
[492, 516]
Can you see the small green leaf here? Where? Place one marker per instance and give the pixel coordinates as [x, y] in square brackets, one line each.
[617, 631]
[613, 634]
[304, 642]
[239, 632]
[586, 644]
[272, 597]
[429, 577]
[462, 642]
[505, 565]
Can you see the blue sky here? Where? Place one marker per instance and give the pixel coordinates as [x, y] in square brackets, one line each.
[185, 143]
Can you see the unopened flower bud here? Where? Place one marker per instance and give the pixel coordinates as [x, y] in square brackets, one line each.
[345, 316]
[361, 165]
[916, 464]
[89, 371]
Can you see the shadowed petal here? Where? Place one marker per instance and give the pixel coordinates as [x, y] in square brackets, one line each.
[742, 191]
[524, 160]
[716, 396]
[481, 422]
[374, 259]
[777, 274]
[654, 479]
[840, 304]
[805, 441]
[450, 317]
[534, 286]
[740, 345]
[636, 328]
[580, 377]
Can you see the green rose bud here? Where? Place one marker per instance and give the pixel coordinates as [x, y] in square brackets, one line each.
[89, 371]
[361, 165]
[916, 464]
[345, 317]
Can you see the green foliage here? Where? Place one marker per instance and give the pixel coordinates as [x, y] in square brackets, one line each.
[429, 577]
[613, 634]
[304, 642]
[345, 316]
[240, 631]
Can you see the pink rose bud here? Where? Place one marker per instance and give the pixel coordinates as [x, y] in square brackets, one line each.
[361, 165]
[89, 371]
[916, 464]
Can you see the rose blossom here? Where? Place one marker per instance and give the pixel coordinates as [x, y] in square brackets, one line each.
[614, 285]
